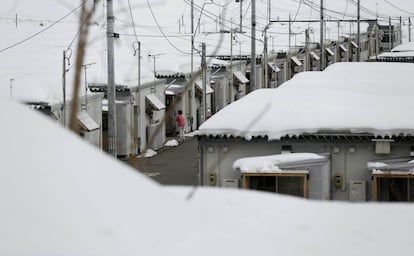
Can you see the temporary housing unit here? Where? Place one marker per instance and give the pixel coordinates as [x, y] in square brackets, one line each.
[178, 92]
[89, 117]
[139, 116]
[400, 53]
[229, 82]
[391, 36]
[348, 115]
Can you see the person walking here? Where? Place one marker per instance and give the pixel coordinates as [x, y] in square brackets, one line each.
[179, 119]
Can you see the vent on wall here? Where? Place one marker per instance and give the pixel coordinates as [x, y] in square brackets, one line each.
[231, 183]
[382, 146]
[286, 149]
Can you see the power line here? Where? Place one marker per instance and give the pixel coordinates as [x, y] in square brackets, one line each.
[160, 29]
[132, 20]
[398, 8]
[41, 31]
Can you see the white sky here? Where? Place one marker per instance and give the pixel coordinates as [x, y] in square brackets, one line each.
[75, 200]
[38, 61]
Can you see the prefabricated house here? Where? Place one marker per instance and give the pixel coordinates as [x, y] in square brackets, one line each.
[401, 53]
[229, 82]
[323, 135]
[139, 116]
[391, 36]
[89, 117]
[178, 94]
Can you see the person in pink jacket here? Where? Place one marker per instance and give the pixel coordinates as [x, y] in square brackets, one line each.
[179, 119]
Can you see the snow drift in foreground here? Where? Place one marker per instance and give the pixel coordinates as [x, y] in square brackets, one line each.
[60, 195]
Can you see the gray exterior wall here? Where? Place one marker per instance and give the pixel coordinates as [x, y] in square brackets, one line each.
[349, 159]
[94, 109]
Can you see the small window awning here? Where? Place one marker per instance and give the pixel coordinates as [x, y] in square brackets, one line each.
[330, 52]
[314, 55]
[86, 122]
[354, 44]
[199, 86]
[278, 163]
[296, 61]
[343, 48]
[392, 166]
[239, 76]
[274, 67]
[154, 101]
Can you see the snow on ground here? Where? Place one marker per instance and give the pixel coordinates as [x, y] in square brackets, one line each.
[76, 200]
[171, 143]
[191, 134]
[148, 153]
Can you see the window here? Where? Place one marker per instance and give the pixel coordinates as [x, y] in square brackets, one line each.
[393, 187]
[293, 183]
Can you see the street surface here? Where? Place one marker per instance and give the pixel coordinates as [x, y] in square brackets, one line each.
[172, 165]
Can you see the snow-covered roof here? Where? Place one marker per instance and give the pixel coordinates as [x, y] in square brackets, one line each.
[274, 163]
[401, 165]
[406, 47]
[355, 97]
[405, 50]
[77, 200]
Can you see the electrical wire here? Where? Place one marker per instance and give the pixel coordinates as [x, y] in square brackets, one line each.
[222, 5]
[41, 31]
[297, 10]
[398, 8]
[162, 32]
[132, 20]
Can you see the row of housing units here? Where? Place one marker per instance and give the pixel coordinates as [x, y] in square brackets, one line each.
[146, 113]
[341, 134]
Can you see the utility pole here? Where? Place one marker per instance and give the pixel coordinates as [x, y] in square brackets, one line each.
[241, 16]
[204, 77]
[64, 88]
[86, 66]
[191, 95]
[390, 33]
[358, 55]
[307, 62]
[322, 43]
[230, 87]
[253, 49]
[409, 29]
[265, 61]
[290, 34]
[138, 130]
[401, 24]
[11, 87]
[112, 140]
[269, 9]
